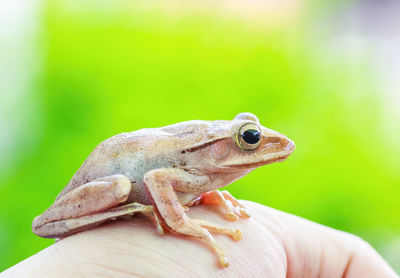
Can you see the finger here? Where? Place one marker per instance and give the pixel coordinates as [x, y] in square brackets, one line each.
[314, 250]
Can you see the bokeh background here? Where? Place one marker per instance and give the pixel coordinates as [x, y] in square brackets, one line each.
[325, 73]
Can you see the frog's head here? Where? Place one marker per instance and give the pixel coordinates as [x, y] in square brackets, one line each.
[240, 145]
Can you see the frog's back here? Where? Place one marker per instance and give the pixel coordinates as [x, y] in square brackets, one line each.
[135, 153]
[123, 154]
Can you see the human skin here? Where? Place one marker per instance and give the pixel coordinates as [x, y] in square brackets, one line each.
[275, 244]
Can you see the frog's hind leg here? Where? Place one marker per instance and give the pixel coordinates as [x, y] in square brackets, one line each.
[66, 227]
[87, 206]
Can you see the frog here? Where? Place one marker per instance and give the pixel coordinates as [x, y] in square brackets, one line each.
[161, 173]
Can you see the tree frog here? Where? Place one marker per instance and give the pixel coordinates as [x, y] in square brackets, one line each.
[160, 173]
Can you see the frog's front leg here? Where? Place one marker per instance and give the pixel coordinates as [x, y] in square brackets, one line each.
[87, 206]
[161, 184]
[232, 208]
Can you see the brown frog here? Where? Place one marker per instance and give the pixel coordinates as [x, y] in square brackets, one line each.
[160, 172]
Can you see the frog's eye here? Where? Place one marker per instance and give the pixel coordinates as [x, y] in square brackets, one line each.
[249, 137]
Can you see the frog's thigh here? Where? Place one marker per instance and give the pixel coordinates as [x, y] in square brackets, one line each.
[159, 183]
[66, 227]
[86, 200]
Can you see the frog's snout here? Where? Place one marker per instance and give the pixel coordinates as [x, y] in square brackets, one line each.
[276, 142]
[288, 145]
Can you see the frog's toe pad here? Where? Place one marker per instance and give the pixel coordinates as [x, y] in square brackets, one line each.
[223, 261]
[231, 216]
[237, 234]
[244, 212]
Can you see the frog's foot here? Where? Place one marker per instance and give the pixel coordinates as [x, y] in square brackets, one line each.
[88, 206]
[236, 234]
[232, 208]
[193, 227]
[159, 184]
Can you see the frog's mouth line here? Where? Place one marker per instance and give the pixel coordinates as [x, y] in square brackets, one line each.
[255, 164]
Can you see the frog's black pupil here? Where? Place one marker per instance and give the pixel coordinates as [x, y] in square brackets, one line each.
[251, 136]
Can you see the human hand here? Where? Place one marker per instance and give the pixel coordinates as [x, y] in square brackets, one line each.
[275, 244]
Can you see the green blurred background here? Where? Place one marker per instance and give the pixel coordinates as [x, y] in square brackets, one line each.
[75, 74]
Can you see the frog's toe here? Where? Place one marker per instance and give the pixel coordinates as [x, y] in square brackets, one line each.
[231, 216]
[237, 234]
[238, 212]
[244, 212]
[223, 261]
